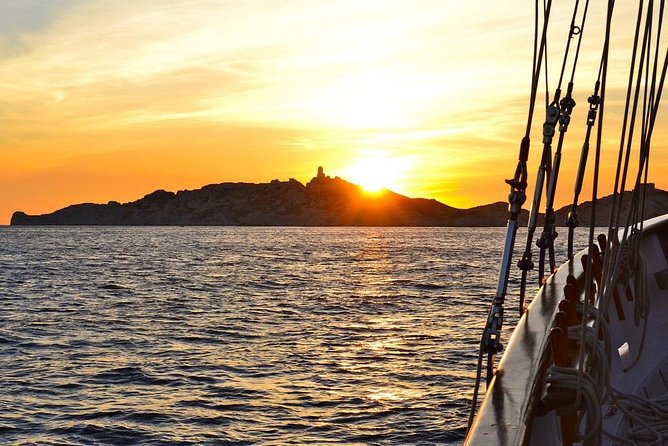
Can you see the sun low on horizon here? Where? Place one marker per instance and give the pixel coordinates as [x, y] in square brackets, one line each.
[375, 171]
[112, 99]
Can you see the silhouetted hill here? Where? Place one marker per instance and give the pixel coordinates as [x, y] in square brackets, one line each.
[323, 201]
[656, 203]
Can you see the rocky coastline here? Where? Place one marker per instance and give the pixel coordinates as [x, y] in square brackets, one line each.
[323, 201]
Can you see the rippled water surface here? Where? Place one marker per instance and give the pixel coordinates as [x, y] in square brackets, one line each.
[241, 335]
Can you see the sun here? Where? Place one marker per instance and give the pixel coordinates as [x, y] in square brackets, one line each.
[376, 171]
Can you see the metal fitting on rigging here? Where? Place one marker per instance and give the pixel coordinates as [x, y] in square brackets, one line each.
[547, 237]
[518, 183]
[567, 104]
[594, 101]
[572, 220]
[550, 121]
[492, 337]
[564, 120]
[517, 195]
[549, 233]
[516, 199]
[542, 241]
[525, 263]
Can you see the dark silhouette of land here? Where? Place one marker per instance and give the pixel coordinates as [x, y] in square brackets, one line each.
[323, 201]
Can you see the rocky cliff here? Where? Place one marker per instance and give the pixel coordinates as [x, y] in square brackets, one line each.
[656, 203]
[323, 201]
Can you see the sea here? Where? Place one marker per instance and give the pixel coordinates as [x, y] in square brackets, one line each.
[244, 335]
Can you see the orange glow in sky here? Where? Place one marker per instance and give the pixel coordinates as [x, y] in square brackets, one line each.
[377, 170]
[111, 99]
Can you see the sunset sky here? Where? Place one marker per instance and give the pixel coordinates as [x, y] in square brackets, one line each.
[111, 99]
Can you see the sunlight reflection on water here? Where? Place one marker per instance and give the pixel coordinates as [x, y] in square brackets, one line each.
[241, 335]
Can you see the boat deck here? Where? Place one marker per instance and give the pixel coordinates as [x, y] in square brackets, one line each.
[510, 413]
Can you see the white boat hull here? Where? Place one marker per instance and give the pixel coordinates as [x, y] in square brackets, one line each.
[512, 411]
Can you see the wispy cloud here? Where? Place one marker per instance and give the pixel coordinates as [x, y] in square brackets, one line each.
[444, 83]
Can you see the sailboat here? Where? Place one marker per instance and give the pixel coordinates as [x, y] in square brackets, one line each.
[587, 362]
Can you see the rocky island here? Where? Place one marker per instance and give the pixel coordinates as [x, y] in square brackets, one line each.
[323, 201]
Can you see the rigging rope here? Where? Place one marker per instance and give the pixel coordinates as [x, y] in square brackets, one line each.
[614, 262]
[490, 341]
[558, 111]
[572, 222]
[590, 379]
[620, 185]
[546, 241]
[648, 415]
[581, 382]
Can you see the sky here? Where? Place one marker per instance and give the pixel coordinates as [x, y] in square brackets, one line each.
[111, 99]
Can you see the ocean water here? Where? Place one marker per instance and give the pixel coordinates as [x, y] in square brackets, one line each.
[240, 336]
